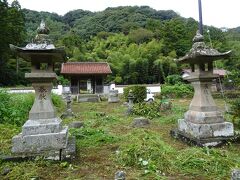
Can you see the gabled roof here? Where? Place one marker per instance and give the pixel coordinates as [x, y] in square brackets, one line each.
[85, 68]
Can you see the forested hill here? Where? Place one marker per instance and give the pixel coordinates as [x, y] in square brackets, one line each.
[139, 43]
[87, 24]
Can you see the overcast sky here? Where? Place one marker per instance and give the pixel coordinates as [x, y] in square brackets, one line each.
[219, 13]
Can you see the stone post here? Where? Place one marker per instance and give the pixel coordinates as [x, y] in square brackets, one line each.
[68, 112]
[113, 96]
[130, 102]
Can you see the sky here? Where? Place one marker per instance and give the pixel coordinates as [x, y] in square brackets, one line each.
[218, 13]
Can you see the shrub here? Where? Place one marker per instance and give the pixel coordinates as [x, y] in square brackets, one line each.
[227, 94]
[177, 91]
[139, 93]
[151, 110]
[235, 110]
[174, 79]
[58, 101]
[61, 80]
[14, 108]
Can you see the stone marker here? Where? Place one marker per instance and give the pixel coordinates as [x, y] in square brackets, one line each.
[140, 122]
[120, 175]
[130, 102]
[203, 123]
[76, 124]
[5, 171]
[68, 112]
[113, 96]
[43, 131]
[235, 174]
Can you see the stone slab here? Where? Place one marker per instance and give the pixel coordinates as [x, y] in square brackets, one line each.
[40, 142]
[211, 130]
[41, 75]
[68, 153]
[113, 96]
[203, 142]
[140, 122]
[88, 98]
[204, 117]
[41, 126]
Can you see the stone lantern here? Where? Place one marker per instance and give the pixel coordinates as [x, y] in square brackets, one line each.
[203, 123]
[130, 102]
[43, 131]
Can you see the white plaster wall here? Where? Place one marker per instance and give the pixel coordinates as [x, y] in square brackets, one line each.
[154, 88]
[57, 90]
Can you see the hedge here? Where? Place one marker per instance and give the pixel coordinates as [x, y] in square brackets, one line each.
[177, 91]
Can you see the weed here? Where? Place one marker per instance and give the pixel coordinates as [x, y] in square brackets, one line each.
[92, 137]
[151, 110]
[14, 108]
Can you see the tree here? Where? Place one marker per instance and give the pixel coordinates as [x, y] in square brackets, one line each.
[11, 32]
[140, 35]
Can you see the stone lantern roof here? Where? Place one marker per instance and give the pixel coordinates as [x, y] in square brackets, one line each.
[200, 53]
[41, 46]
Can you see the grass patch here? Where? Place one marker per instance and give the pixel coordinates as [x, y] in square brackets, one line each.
[87, 137]
[108, 143]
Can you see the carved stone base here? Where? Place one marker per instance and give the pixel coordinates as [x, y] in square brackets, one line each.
[208, 134]
[67, 153]
[204, 117]
[203, 142]
[36, 143]
[42, 126]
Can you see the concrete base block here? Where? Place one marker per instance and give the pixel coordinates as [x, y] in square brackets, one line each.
[40, 142]
[67, 153]
[224, 129]
[202, 142]
[88, 98]
[113, 100]
[204, 117]
[42, 126]
[113, 96]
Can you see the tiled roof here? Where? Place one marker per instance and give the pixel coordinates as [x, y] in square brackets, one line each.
[85, 68]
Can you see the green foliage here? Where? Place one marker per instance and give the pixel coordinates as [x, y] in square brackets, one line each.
[233, 79]
[177, 90]
[174, 79]
[14, 108]
[235, 111]
[205, 160]
[139, 43]
[139, 92]
[11, 32]
[92, 137]
[151, 110]
[146, 151]
[140, 35]
[58, 102]
[107, 141]
[63, 81]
